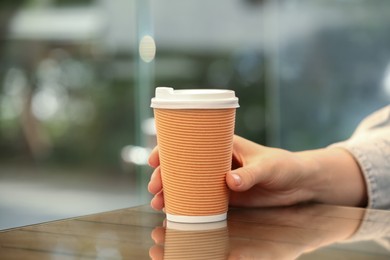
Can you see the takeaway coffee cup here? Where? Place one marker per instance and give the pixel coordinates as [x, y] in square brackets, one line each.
[195, 137]
[196, 241]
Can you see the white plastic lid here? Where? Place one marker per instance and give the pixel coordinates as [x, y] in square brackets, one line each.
[194, 98]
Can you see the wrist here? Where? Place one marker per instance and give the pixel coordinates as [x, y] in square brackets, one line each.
[335, 177]
[316, 182]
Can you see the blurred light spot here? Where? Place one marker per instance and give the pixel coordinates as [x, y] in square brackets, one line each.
[147, 48]
[148, 127]
[135, 154]
[76, 24]
[45, 104]
[386, 81]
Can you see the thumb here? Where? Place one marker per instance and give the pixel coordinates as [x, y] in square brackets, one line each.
[242, 179]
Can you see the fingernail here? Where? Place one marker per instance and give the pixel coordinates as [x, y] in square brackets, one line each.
[237, 179]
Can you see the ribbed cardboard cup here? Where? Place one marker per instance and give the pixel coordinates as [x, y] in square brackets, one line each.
[195, 137]
[196, 241]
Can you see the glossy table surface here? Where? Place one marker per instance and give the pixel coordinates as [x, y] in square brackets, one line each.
[303, 232]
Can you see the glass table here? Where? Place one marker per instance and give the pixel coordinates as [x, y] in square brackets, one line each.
[300, 232]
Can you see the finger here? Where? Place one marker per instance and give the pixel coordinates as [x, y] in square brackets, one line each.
[243, 178]
[243, 148]
[233, 181]
[156, 252]
[155, 183]
[263, 165]
[154, 159]
[157, 202]
[158, 235]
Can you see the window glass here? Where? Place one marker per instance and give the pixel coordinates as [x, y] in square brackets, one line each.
[67, 109]
[331, 66]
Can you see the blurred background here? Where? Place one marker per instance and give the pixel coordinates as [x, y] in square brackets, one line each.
[76, 78]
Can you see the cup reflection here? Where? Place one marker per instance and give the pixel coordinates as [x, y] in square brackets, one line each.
[262, 233]
[190, 241]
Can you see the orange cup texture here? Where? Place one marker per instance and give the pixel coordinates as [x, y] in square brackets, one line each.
[195, 149]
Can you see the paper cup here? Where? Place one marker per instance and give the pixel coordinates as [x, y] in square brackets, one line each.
[196, 241]
[195, 136]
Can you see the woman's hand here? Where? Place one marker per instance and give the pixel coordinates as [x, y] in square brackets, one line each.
[264, 176]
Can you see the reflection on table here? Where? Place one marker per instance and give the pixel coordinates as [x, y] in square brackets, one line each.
[303, 232]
